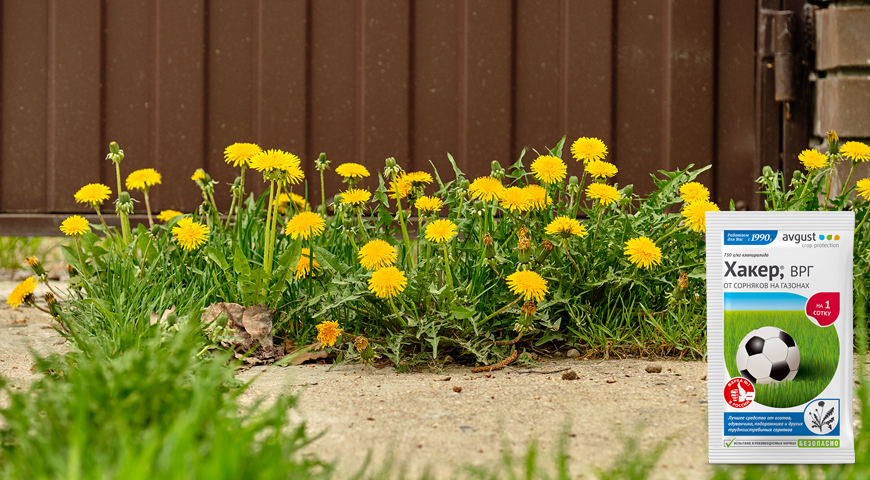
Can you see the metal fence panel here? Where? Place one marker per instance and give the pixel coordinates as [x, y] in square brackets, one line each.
[662, 83]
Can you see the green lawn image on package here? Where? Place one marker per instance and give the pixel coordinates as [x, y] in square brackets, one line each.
[779, 329]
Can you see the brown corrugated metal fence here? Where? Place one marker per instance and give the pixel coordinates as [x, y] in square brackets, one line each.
[663, 83]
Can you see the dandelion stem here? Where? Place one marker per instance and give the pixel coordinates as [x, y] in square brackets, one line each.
[118, 175]
[322, 196]
[79, 252]
[405, 237]
[809, 179]
[148, 208]
[568, 254]
[241, 201]
[828, 185]
[232, 210]
[398, 315]
[266, 263]
[674, 230]
[273, 231]
[502, 309]
[447, 266]
[106, 227]
[361, 226]
[582, 182]
[846, 184]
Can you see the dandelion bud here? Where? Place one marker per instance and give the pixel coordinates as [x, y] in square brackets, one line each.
[529, 308]
[497, 171]
[460, 292]
[390, 162]
[362, 345]
[546, 248]
[36, 266]
[573, 185]
[115, 153]
[204, 208]
[53, 306]
[683, 281]
[72, 270]
[489, 246]
[527, 316]
[833, 143]
[124, 204]
[155, 230]
[524, 246]
[321, 163]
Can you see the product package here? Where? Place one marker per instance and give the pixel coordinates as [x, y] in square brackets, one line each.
[779, 337]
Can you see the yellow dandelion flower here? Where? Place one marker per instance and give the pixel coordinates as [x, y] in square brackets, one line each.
[328, 332]
[387, 282]
[21, 292]
[643, 252]
[198, 175]
[527, 283]
[515, 199]
[305, 224]
[418, 177]
[400, 188]
[587, 149]
[863, 187]
[428, 204]
[293, 174]
[93, 194]
[167, 215]
[190, 235]
[694, 192]
[601, 169]
[273, 159]
[566, 227]
[75, 226]
[376, 254]
[355, 196]
[549, 169]
[856, 151]
[694, 213]
[606, 194]
[143, 179]
[486, 189]
[440, 231]
[538, 197]
[352, 170]
[813, 159]
[241, 153]
[303, 266]
[285, 199]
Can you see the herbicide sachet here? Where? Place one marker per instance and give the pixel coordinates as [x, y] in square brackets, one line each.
[779, 333]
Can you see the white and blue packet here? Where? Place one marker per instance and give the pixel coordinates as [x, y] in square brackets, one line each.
[779, 333]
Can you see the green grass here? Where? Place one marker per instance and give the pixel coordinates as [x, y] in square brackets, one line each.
[154, 411]
[819, 348]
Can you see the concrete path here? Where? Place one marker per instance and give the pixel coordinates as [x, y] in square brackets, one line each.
[419, 420]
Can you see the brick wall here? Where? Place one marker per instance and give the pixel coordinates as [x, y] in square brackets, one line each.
[842, 100]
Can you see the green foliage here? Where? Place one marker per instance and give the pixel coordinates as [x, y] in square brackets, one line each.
[154, 411]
